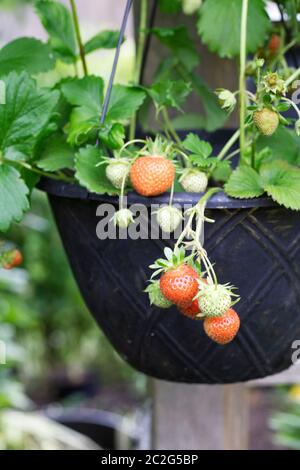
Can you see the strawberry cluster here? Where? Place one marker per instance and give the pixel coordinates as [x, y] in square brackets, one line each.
[151, 171]
[195, 291]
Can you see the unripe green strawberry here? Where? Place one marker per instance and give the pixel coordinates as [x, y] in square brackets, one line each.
[194, 181]
[116, 171]
[169, 218]
[156, 296]
[123, 218]
[214, 300]
[266, 121]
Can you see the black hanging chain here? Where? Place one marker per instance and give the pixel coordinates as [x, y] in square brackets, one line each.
[116, 60]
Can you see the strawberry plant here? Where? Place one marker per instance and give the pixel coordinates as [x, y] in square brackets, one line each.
[75, 133]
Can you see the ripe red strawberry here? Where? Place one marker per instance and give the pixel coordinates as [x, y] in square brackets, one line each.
[153, 174]
[12, 259]
[191, 311]
[274, 44]
[180, 285]
[223, 329]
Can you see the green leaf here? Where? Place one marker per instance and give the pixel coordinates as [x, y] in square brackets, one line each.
[244, 183]
[26, 113]
[124, 102]
[58, 23]
[194, 144]
[83, 122]
[170, 94]
[103, 40]
[181, 45]
[220, 22]
[170, 6]
[189, 121]
[56, 155]
[223, 171]
[283, 107]
[87, 95]
[86, 92]
[27, 54]
[13, 196]
[112, 135]
[215, 115]
[282, 182]
[203, 162]
[284, 143]
[91, 176]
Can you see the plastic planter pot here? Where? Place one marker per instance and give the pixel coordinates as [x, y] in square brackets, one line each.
[255, 245]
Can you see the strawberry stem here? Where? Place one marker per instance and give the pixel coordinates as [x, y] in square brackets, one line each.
[293, 77]
[169, 126]
[293, 105]
[243, 53]
[194, 211]
[139, 57]
[171, 195]
[130, 142]
[78, 36]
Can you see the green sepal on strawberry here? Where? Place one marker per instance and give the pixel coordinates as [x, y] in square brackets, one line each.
[215, 299]
[173, 259]
[156, 297]
[123, 218]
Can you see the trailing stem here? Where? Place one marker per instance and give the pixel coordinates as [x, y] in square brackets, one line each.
[195, 211]
[293, 77]
[78, 36]
[139, 56]
[169, 127]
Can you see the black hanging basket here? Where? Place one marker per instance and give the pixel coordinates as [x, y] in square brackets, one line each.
[255, 245]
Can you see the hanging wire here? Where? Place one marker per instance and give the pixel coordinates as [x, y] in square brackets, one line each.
[148, 40]
[115, 63]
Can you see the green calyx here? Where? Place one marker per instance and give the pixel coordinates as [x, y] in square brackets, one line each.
[156, 297]
[215, 299]
[173, 260]
[123, 218]
[159, 147]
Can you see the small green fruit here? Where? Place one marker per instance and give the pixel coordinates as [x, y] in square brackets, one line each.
[123, 218]
[266, 121]
[156, 297]
[194, 181]
[169, 218]
[214, 300]
[116, 171]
